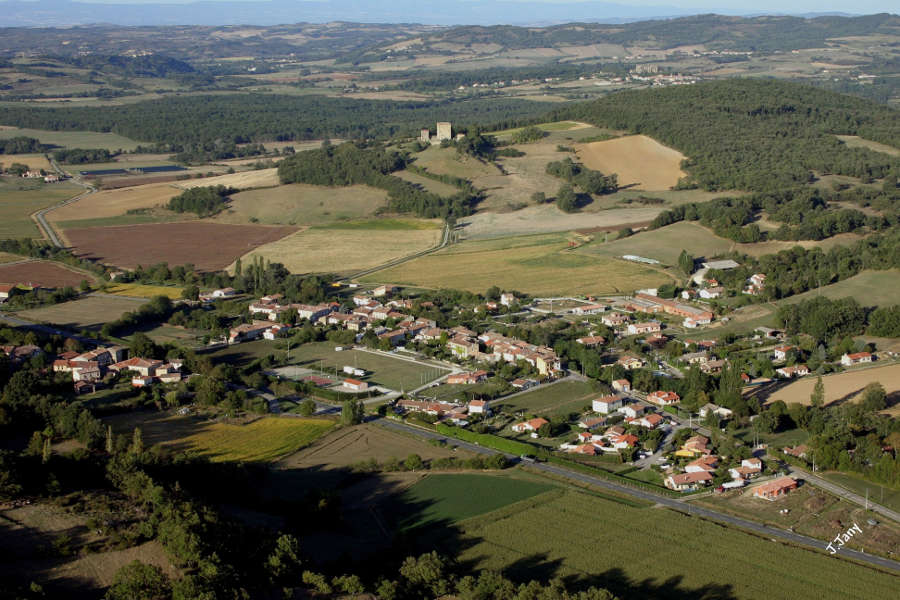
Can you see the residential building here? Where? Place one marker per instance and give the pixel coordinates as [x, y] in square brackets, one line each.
[630, 362]
[591, 341]
[643, 328]
[722, 412]
[384, 290]
[479, 407]
[651, 421]
[507, 299]
[606, 404]
[856, 358]
[712, 292]
[467, 378]
[633, 411]
[685, 482]
[589, 309]
[791, 372]
[781, 352]
[247, 331]
[704, 464]
[663, 398]
[615, 319]
[355, 385]
[146, 367]
[592, 423]
[532, 425]
[621, 385]
[694, 446]
[773, 490]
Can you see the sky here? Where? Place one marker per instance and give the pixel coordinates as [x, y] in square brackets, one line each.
[859, 7]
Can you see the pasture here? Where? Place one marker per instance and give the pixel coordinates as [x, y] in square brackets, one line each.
[6, 257]
[854, 141]
[139, 290]
[845, 386]
[885, 496]
[640, 161]
[302, 204]
[560, 398]
[42, 273]
[430, 185]
[446, 161]
[261, 440]
[869, 288]
[349, 445]
[448, 498]
[665, 244]
[208, 246]
[86, 313]
[385, 370]
[19, 198]
[346, 249]
[35, 162]
[538, 265]
[72, 139]
[652, 553]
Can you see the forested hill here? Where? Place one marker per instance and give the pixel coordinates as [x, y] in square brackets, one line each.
[752, 134]
[247, 117]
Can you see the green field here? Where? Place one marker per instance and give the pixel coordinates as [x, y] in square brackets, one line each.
[869, 288]
[451, 498]
[560, 398]
[651, 553]
[535, 264]
[666, 243]
[394, 373]
[301, 204]
[73, 139]
[21, 197]
[260, 441]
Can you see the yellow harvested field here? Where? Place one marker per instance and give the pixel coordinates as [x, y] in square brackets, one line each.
[638, 160]
[842, 386]
[33, 161]
[538, 264]
[241, 181]
[6, 257]
[546, 218]
[113, 203]
[263, 440]
[138, 290]
[334, 250]
[854, 141]
[774, 246]
[302, 204]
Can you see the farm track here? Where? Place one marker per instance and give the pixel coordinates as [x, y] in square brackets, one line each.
[399, 261]
[675, 504]
[40, 216]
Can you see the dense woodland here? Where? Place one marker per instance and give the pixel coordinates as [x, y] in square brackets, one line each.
[203, 201]
[759, 135]
[21, 145]
[241, 118]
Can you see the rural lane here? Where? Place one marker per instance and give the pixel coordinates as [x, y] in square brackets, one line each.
[674, 504]
[40, 216]
[845, 493]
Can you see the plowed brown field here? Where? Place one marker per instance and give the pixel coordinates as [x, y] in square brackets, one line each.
[39, 273]
[208, 246]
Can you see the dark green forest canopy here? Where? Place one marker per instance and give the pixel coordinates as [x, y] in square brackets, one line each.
[752, 134]
[241, 118]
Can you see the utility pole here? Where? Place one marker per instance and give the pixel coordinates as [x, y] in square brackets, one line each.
[867, 498]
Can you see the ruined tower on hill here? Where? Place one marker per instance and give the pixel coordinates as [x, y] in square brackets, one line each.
[444, 131]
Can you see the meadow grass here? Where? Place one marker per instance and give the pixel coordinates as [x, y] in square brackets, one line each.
[264, 440]
[540, 264]
[454, 497]
[139, 290]
[72, 139]
[19, 198]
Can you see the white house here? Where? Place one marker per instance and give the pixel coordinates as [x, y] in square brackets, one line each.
[606, 404]
[856, 358]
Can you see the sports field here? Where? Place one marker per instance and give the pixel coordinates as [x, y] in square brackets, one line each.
[381, 369]
[560, 398]
[638, 160]
[653, 553]
[346, 250]
[453, 497]
[87, 313]
[302, 204]
[19, 198]
[72, 139]
[538, 264]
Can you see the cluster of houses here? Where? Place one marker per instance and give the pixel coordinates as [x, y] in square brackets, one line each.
[448, 411]
[692, 316]
[19, 354]
[466, 344]
[89, 368]
[700, 471]
[756, 283]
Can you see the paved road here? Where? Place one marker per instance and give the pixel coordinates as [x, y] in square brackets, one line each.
[845, 493]
[675, 504]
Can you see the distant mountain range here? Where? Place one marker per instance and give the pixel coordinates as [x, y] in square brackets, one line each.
[44, 13]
